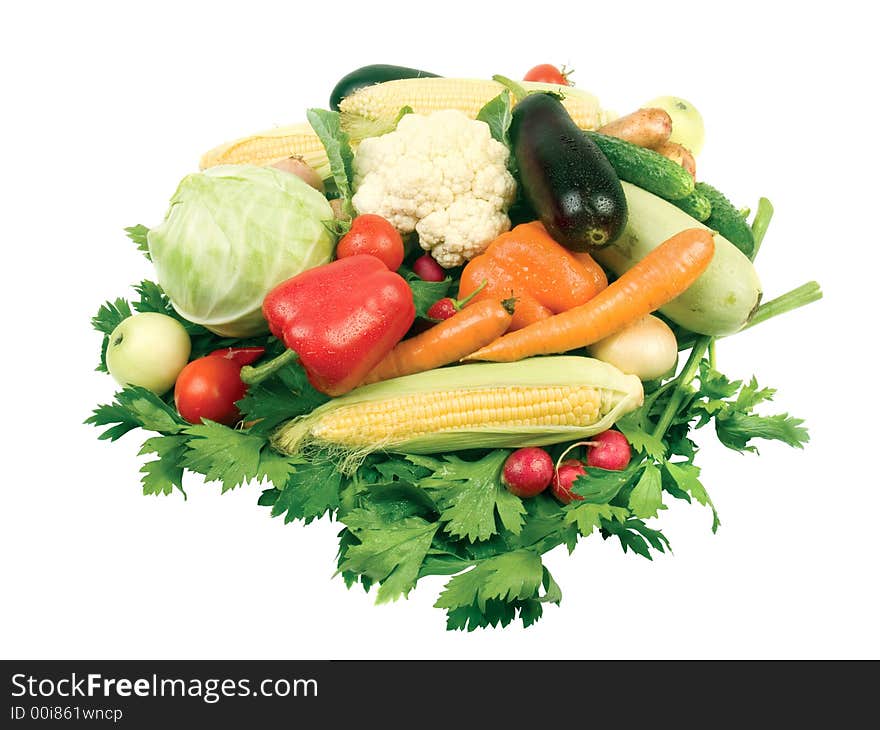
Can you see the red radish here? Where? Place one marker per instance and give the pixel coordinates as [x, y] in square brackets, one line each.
[527, 471]
[564, 478]
[609, 450]
[427, 269]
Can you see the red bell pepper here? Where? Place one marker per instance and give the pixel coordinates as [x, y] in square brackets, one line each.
[340, 319]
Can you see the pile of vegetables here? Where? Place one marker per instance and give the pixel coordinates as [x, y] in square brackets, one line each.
[449, 314]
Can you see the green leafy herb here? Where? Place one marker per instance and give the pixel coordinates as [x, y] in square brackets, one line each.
[588, 517]
[497, 591]
[309, 492]
[731, 404]
[600, 486]
[470, 495]
[636, 536]
[328, 127]
[223, 454]
[162, 475]
[390, 553]
[138, 234]
[647, 497]
[136, 407]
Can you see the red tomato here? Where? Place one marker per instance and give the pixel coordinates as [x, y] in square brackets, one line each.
[548, 74]
[373, 235]
[208, 388]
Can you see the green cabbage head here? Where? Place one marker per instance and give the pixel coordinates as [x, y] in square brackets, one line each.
[232, 233]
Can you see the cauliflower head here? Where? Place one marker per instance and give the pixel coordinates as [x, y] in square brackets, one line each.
[441, 175]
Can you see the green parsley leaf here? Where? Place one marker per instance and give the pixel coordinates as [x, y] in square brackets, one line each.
[274, 468]
[647, 496]
[735, 430]
[498, 589]
[223, 454]
[600, 486]
[425, 293]
[110, 314]
[638, 432]
[636, 536]
[346, 540]
[136, 407]
[388, 553]
[588, 517]
[716, 385]
[138, 234]
[511, 576]
[311, 491]
[686, 477]
[402, 470]
[396, 500]
[735, 423]
[162, 475]
[470, 493]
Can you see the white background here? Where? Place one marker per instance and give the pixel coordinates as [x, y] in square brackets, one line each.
[107, 105]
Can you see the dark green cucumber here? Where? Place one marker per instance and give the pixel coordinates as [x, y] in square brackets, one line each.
[376, 73]
[696, 205]
[727, 220]
[649, 170]
[564, 176]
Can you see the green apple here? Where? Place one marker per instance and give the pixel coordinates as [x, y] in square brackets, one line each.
[148, 349]
[687, 123]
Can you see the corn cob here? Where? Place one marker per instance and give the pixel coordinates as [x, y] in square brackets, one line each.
[528, 403]
[376, 107]
[384, 101]
[271, 146]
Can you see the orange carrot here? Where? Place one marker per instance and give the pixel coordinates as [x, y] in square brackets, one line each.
[662, 275]
[467, 330]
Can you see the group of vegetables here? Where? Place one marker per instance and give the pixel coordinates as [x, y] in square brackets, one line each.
[328, 299]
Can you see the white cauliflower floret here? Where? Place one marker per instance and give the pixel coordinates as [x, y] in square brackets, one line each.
[441, 175]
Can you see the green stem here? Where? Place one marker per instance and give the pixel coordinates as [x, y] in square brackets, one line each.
[800, 297]
[681, 383]
[462, 303]
[760, 224]
[251, 375]
[518, 90]
[712, 353]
